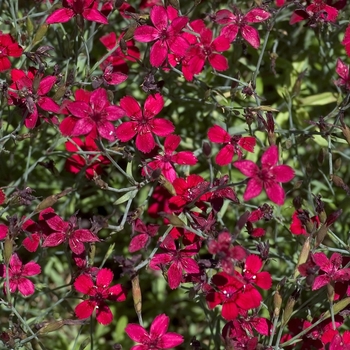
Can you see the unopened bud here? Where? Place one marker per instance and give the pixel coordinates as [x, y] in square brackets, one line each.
[8, 249]
[40, 33]
[136, 295]
[321, 234]
[206, 148]
[322, 216]
[51, 327]
[346, 132]
[46, 203]
[337, 164]
[304, 254]
[330, 292]
[277, 302]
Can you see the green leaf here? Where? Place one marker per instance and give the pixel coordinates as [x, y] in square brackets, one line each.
[319, 99]
[126, 197]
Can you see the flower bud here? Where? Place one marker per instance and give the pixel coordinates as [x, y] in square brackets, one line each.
[206, 149]
[304, 254]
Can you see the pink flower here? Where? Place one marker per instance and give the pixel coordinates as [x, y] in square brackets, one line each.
[346, 41]
[318, 11]
[17, 273]
[332, 268]
[157, 338]
[142, 240]
[235, 297]
[166, 35]
[165, 161]
[67, 232]
[232, 144]
[143, 124]
[30, 95]
[8, 47]
[205, 48]
[73, 8]
[267, 177]
[92, 163]
[343, 71]
[239, 22]
[91, 114]
[179, 260]
[98, 292]
[252, 274]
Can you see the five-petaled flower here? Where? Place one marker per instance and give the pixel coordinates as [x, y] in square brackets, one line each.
[251, 273]
[332, 269]
[267, 177]
[233, 23]
[232, 144]
[73, 8]
[67, 232]
[158, 338]
[98, 292]
[179, 260]
[143, 124]
[166, 160]
[8, 47]
[165, 34]
[92, 114]
[17, 273]
[31, 95]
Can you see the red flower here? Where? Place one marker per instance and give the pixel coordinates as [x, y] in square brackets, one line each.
[8, 47]
[17, 273]
[239, 22]
[346, 41]
[166, 35]
[91, 162]
[98, 292]
[157, 338]
[117, 59]
[143, 124]
[30, 94]
[73, 8]
[343, 71]
[3, 231]
[217, 134]
[2, 197]
[233, 295]
[178, 259]
[92, 114]
[315, 12]
[299, 220]
[332, 269]
[66, 232]
[252, 275]
[268, 177]
[165, 161]
[193, 188]
[280, 3]
[205, 48]
[142, 240]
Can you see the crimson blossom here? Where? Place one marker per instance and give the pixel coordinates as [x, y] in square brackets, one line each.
[143, 124]
[17, 273]
[235, 297]
[98, 292]
[92, 115]
[267, 177]
[67, 232]
[8, 47]
[30, 94]
[344, 77]
[238, 22]
[73, 8]
[166, 34]
[165, 161]
[158, 338]
[232, 144]
[179, 260]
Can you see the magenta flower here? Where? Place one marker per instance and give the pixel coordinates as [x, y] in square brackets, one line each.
[252, 273]
[267, 177]
[205, 48]
[142, 240]
[232, 144]
[18, 273]
[72, 8]
[238, 22]
[343, 71]
[98, 292]
[165, 162]
[143, 124]
[8, 47]
[92, 114]
[332, 269]
[166, 35]
[179, 260]
[67, 232]
[30, 95]
[158, 338]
